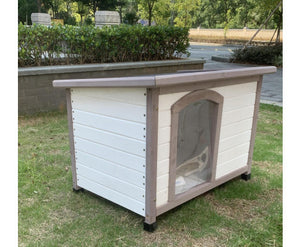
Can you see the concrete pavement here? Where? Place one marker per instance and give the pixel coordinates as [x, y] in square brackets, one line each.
[272, 83]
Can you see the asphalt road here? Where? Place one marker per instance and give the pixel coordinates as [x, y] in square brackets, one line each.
[272, 83]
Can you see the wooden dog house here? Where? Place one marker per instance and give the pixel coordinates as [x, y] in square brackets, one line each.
[151, 143]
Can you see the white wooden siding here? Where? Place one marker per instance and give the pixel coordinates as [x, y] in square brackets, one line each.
[236, 125]
[109, 127]
[235, 133]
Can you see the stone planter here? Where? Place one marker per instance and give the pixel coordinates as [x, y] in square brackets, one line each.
[109, 18]
[41, 18]
[36, 93]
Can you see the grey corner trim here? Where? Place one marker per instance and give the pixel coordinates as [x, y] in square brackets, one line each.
[60, 69]
[186, 78]
[151, 154]
[135, 81]
[71, 139]
[254, 123]
[216, 120]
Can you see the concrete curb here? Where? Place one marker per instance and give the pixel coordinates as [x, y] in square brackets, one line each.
[223, 59]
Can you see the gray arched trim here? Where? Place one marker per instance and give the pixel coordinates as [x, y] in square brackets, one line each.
[215, 116]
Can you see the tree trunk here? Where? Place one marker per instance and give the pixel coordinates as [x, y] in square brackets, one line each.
[278, 36]
[94, 7]
[150, 14]
[39, 5]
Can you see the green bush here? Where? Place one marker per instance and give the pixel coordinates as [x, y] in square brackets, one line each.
[42, 45]
[264, 55]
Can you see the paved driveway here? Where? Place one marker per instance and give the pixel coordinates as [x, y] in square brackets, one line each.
[272, 83]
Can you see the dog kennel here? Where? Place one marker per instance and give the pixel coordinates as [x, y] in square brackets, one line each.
[151, 143]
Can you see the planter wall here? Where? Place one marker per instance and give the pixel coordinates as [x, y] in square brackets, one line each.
[36, 93]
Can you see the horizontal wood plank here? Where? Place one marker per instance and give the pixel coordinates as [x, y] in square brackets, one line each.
[134, 96]
[162, 167]
[235, 151]
[235, 128]
[161, 197]
[166, 100]
[163, 151]
[114, 196]
[112, 182]
[110, 154]
[231, 166]
[136, 177]
[233, 141]
[240, 101]
[164, 135]
[123, 143]
[164, 119]
[237, 115]
[162, 182]
[110, 108]
[114, 125]
[236, 90]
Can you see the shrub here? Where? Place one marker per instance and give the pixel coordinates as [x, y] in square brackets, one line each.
[42, 45]
[265, 55]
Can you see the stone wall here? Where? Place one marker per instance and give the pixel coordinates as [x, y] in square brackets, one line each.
[36, 93]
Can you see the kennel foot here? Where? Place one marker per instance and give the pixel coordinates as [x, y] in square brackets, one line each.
[246, 176]
[78, 190]
[150, 227]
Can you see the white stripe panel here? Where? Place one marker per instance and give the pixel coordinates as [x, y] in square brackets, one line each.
[162, 182]
[166, 100]
[110, 154]
[236, 90]
[239, 102]
[162, 167]
[233, 141]
[236, 151]
[163, 151]
[114, 125]
[231, 165]
[161, 197]
[123, 143]
[237, 115]
[112, 183]
[164, 135]
[235, 128]
[114, 196]
[128, 175]
[135, 96]
[164, 119]
[110, 108]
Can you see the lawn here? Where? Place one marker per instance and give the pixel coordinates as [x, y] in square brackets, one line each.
[238, 213]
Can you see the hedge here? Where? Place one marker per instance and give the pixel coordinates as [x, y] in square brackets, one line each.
[42, 45]
[263, 55]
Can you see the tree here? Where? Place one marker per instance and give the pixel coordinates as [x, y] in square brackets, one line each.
[25, 9]
[82, 10]
[147, 6]
[185, 10]
[162, 12]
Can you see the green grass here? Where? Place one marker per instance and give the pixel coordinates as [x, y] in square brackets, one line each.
[237, 213]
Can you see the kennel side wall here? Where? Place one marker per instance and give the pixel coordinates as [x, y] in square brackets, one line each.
[235, 132]
[109, 128]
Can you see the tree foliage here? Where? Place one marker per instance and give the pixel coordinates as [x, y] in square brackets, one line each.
[185, 10]
[184, 13]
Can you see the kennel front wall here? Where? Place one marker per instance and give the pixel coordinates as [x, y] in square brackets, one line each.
[235, 132]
